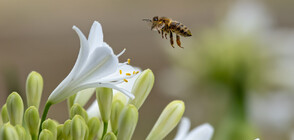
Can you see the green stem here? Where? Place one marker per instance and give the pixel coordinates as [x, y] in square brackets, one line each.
[46, 109]
[238, 100]
[105, 128]
[34, 137]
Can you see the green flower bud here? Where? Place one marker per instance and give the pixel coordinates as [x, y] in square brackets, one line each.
[83, 96]
[76, 109]
[104, 98]
[46, 135]
[4, 114]
[67, 130]
[116, 109]
[34, 89]
[78, 128]
[120, 96]
[142, 87]
[60, 131]
[8, 132]
[51, 126]
[1, 122]
[22, 133]
[32, 120]
[167, 121]
[127, 122]
[70, 102]
[15, 108]
[109, 136]
[94, 126]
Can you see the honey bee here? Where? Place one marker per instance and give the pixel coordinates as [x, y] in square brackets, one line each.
[166, 26]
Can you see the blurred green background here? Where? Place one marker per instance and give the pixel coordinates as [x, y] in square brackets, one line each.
[247, 41]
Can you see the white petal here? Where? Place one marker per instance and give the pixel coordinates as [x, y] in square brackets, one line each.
[124, 91]
[83, 96]
[96, 35]
[83, 53]
[116, 76]
[93, 110]
[202, 132]
[183, 129]
[101, 62]
[129, 85]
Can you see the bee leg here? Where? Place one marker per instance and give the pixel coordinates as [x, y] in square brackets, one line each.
[179, 41]
[158, 31]
[165, 35]
[162, 33]
[171, 39]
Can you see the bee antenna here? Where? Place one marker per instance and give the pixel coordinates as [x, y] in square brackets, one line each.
[148, 20]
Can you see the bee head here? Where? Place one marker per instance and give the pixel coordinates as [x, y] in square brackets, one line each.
[155, 19]
[154, 22]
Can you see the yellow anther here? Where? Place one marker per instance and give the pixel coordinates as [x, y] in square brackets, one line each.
[125, 80]
[129, 61]
[128, 74]
[120, 71]
[134, 72]
[137, 72]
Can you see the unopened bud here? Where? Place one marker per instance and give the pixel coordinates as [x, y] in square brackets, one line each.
[142, 87]
[109, 136]
[59, 132]
[4, 114]
[167, 121]
[46, 135]
[104, 98]
[34, 89]
[94, 126]
[78, 128]
[31, 118]
[127, 122]
[22, 133]
[116, 109]
[120, 96]
[8, 132]
[51, 126]
[76, 109]
[67, 130]
[15, 108]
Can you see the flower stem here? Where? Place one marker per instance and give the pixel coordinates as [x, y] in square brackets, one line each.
[46, 109]
[105, 128]
[34, 137]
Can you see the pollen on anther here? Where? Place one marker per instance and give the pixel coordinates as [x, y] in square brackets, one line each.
[120, 71]
[128, 74]
[129, 61]
[137, 72]
[125, 80]
[134, 72]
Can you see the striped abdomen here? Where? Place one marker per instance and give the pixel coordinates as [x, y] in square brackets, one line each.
[179, 29]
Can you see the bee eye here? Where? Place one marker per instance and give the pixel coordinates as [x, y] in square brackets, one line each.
[155, 19]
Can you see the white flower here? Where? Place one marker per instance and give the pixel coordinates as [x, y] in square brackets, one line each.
[202, 132]
[96, 66]
[93, 110]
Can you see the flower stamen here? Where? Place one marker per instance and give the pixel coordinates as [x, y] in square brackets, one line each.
[120, 71]
[122, 52]
[128, 74]
[129, 61]
[125, 80]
